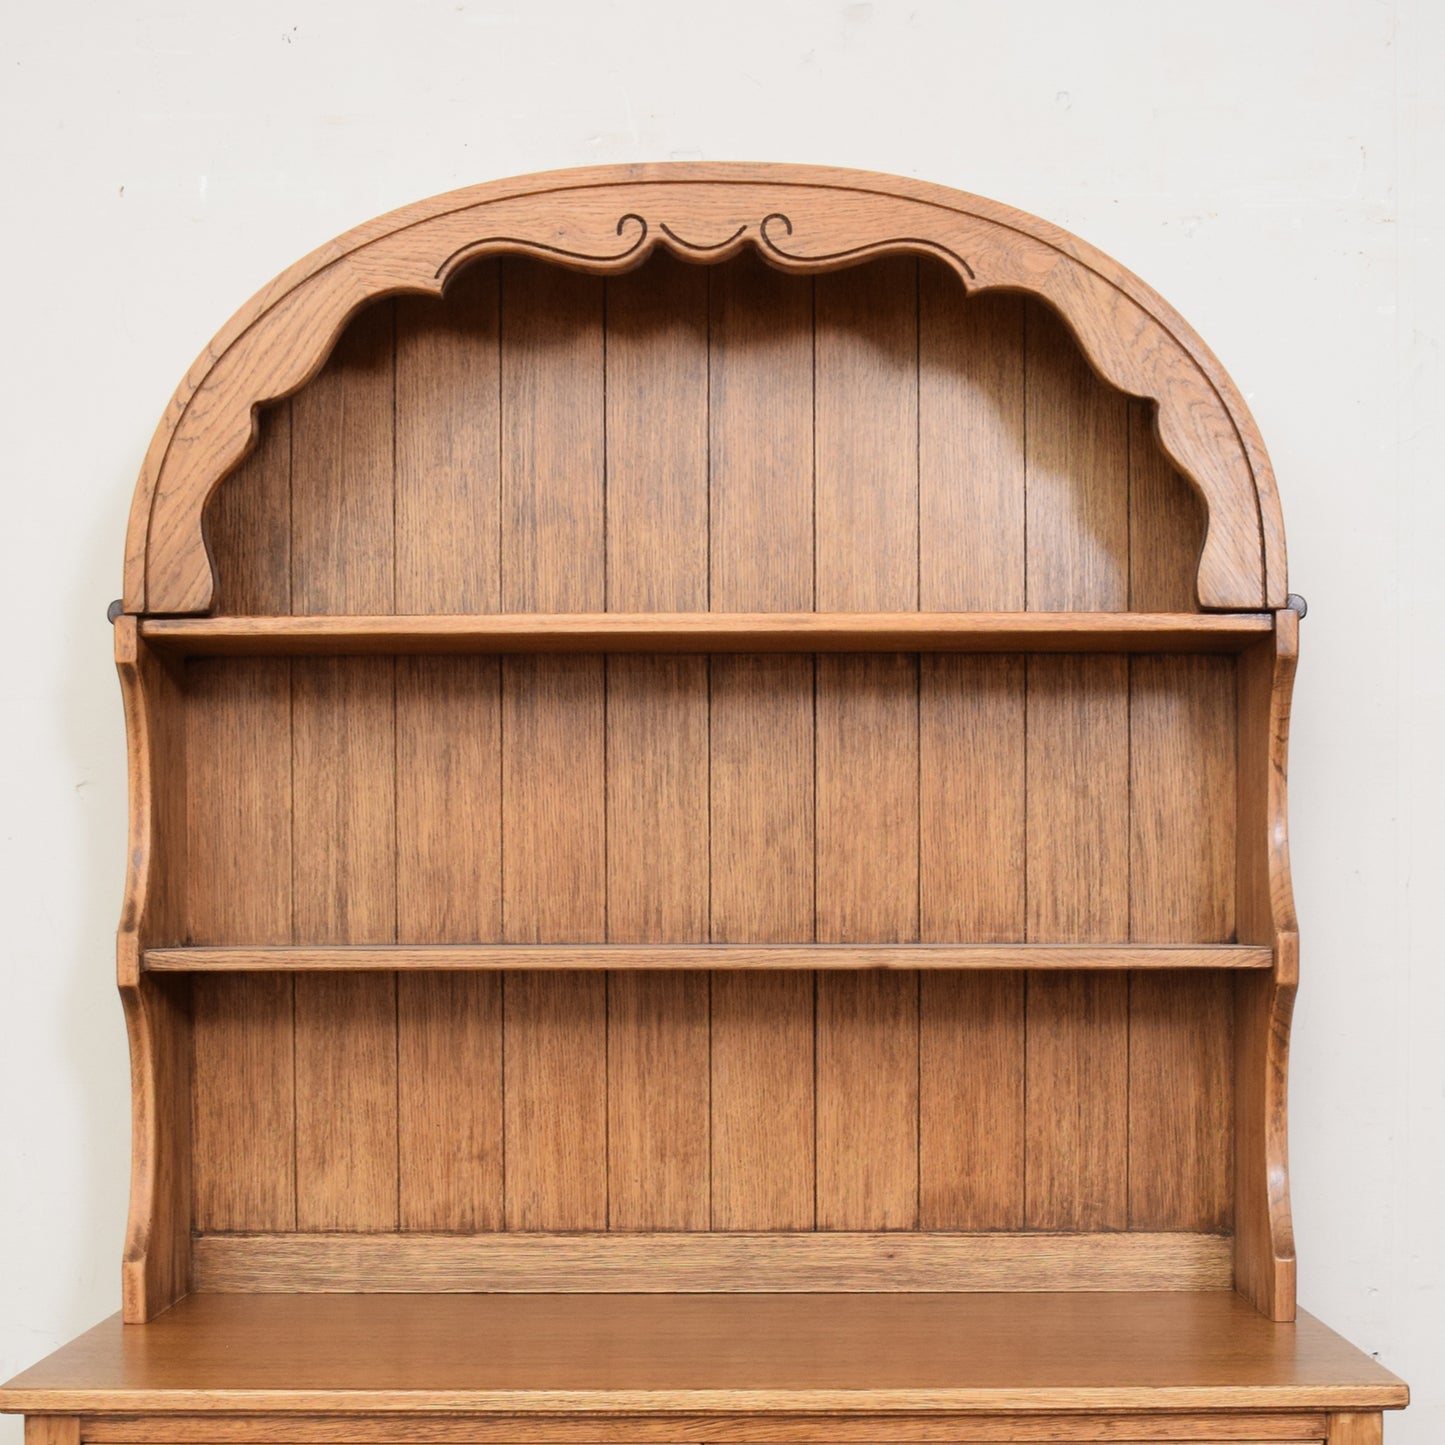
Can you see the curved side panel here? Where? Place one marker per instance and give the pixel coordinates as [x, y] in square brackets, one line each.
[156, 1263]
[1264, 1005]
[799, 219]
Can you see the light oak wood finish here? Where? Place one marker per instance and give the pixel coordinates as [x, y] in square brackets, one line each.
[993, 956]
[699, 1262]
[983, 631]
[1245, 1429]
[709, 740]
[1190, 1350]
[806, 220]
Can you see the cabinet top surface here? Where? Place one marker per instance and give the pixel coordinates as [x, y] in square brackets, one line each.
[705, 1352]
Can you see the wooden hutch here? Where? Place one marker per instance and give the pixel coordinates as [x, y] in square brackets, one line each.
[708, 864]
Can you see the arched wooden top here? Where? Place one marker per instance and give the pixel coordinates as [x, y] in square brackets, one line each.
[609, 219]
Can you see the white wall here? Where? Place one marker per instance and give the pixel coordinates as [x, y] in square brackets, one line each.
[1273, 168]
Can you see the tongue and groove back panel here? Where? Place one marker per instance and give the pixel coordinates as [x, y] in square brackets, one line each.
[681, 439]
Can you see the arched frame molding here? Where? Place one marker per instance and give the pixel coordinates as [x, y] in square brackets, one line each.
[610, 219]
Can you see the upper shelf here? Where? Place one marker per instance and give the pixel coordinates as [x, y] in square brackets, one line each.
[709, 632]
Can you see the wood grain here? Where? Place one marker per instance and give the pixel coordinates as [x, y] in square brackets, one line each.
[248, 524]
[449, 1101]
[1077, 1092]
[448, 800]
[432, 1429]
[762, 956]
[1182, 741]
[972, 793]
[553, 810]
[657, 1101]
[222, 1355]
[346, 1120]
[553, 457]
[243, 1103]
[762, 1101]
[867, 1101]
[761, 800]
[760, 439]
[657, 799]
[1166, 523]
[866, 439]
[1181, 1096]
[1078, 477]
[657, 438]
[867, 799]
[665, 1264]
[555, 1101]
[971, 446]
[448, 447]
[971, 1117]
[343, 543]
[760, 632]
[1129, 335]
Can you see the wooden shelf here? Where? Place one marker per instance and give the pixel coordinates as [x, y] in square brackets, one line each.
[707, 956]
[515, 1354]
[709, 632]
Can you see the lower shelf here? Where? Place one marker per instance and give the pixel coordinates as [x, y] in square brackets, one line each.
[709, 955]
[218, 1354]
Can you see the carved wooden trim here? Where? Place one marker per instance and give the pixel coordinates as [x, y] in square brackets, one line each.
[610, 219]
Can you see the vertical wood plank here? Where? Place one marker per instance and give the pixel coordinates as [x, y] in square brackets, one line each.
[346, 1156]
[1181, 1101]
[449, 1101]
[344, 860]
[971, 1101]
[970, 447]
[342, 498]
[1078, 799]
[238, 802]
[448, 800]
[238, 887]
[552, 439]
[553, 719]
[1077, 1102]
[343, 771]
[867, 798]
[762, 799]
[449, 1026]
[344, 833]
[657, 1092]
[1077, 1025]
[971, 754]
[555, 1092]
[761, 438]
[866, 509]
[762, 1100]
[447, 447]
[657, 438]
[971, 798]
[1078, 477]
[243, 1103]
[657, 745]
[553, 818]
[761, 765]
[1166, 523]
[867, 1106]
[1182, 799]
[657, 799]
[248, 524]
[867, 438]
